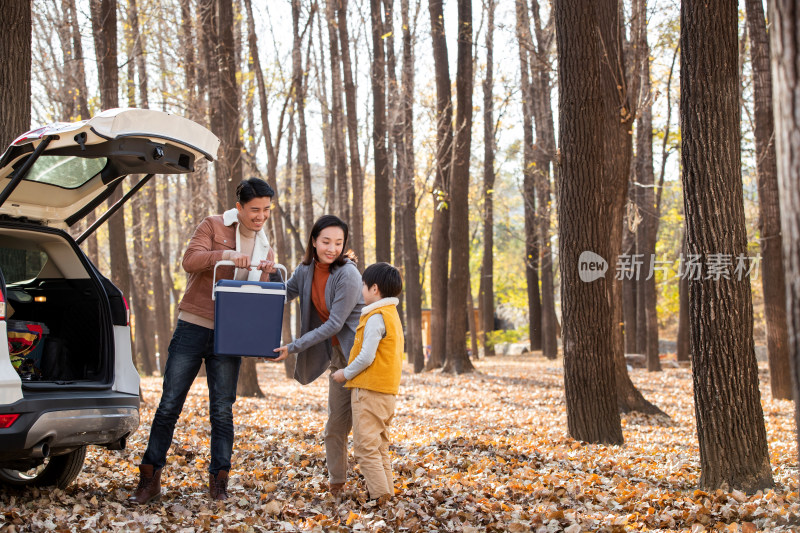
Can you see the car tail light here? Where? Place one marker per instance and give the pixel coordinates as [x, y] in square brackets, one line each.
[7, 420]
[2, 307]
[127, 311]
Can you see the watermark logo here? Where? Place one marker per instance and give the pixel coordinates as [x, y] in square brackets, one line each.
[715, 266]
[591, 266]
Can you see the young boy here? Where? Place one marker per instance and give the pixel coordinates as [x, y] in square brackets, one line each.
[373, 374]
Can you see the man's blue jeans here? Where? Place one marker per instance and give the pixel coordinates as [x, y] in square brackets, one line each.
[189, 346]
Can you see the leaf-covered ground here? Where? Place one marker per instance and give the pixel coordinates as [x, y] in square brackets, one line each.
[482, 452]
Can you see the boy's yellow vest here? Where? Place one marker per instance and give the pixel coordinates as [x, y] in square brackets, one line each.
[383, 375]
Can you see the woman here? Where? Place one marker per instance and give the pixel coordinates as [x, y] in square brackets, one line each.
[329, 286]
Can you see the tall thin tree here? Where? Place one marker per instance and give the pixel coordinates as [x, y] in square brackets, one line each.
[544, 157]
[383, 209]
[407, 192]
[15, 70]
[730, 420]
[104, 28]
[356, 170]
[592, 413]
[785, 54]
[458, 285]
[337, 114]
[440, 240]
[486, 285]
[646, 236]
[528, 178]
[773, 280]
[299, 88]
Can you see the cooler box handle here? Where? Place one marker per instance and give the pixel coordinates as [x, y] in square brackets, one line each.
[226, 262]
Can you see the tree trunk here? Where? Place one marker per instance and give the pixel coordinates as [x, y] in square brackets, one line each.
[209, 80]
[644, 171]
[396, 143]
[356, 172]
[618, 149]
[230, 160]
[337, 115]
[683, 311]
[273, 149]
[229, 165]
[104, 28]
[198, 195]
[82, 109]
[383, 208]
[773, 280]
[15, 70]
[299, 92]
[413, 290]
[486, 287]
[592, 413]
[144, 326]
[730, 420]
[440, 239]
[785, 53]
[291, 177]
[327, 134]
[629, 287]
[458, 285]
[155, 259]
[528, 186]
[544, 156]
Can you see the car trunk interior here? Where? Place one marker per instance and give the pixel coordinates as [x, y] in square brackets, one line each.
[55, 313]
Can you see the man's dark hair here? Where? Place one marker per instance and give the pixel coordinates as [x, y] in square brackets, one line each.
[253, 188]
[386, 277]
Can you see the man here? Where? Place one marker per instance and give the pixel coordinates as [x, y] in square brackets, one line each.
[236, 235]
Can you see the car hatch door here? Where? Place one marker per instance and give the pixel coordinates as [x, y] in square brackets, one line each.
[57, 174]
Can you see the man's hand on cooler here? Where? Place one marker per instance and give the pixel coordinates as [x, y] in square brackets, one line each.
[267, 266]
[239, 259]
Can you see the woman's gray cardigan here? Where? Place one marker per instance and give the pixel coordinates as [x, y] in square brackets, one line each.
[344, 300]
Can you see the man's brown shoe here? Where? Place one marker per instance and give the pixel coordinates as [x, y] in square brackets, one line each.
[218, 485]
[149, 487]
[336, 488]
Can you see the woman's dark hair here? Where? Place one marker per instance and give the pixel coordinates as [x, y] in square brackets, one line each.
[386, 277]
[252, 188]
[327, 221]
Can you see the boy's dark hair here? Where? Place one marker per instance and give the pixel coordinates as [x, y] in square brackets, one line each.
[252, 188]
[386, 277]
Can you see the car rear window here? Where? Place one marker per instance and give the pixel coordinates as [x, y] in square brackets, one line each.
[65, 171]
[19, 264]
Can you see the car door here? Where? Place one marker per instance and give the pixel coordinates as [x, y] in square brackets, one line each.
[57, 174]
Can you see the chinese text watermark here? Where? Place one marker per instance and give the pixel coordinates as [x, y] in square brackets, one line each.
[694, 267]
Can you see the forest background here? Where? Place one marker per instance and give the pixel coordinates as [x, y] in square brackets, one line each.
[458, 179]
[161, 53]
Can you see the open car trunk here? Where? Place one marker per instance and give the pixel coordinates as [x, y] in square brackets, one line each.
[58, 318]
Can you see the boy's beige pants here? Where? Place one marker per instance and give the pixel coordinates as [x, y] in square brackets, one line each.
[372, 414]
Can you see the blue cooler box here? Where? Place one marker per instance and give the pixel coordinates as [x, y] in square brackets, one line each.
[248, 317]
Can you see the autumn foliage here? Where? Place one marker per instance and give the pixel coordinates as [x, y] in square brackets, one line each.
[477, 452]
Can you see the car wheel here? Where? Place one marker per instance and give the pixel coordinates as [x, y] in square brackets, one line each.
[60, 471]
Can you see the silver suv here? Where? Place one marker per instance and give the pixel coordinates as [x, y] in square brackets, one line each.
[67, 378]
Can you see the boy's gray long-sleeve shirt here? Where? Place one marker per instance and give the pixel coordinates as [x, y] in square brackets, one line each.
[374, 331]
